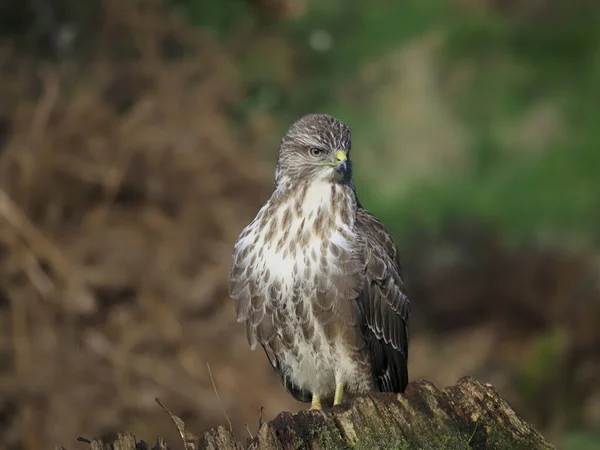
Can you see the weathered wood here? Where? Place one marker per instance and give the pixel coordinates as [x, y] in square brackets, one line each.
[469, 415]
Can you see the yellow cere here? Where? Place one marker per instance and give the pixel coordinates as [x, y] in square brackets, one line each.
[341, 156]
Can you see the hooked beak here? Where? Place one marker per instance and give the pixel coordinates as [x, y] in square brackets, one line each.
[341, 160]
[340, 163]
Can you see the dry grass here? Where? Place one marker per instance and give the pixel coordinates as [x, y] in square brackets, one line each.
[122, 190]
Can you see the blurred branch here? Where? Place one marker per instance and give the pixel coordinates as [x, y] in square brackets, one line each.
[79, 298]
[23, 364]
[148, 369]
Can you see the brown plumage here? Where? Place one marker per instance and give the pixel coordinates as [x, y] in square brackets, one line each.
[316, 278]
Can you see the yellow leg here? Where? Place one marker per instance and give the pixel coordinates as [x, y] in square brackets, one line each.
[339, 393]
[315, 405]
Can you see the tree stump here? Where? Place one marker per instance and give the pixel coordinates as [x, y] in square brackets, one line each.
[469, 415]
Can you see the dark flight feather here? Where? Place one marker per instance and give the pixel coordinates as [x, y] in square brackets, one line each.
[384, 305]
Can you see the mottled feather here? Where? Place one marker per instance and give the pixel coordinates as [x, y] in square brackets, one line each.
[317, 279]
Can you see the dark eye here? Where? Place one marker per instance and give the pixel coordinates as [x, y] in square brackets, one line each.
[315, 152]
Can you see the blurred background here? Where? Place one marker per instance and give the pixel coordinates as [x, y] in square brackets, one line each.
[137, 139]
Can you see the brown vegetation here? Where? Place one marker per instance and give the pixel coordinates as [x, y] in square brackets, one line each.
[123, 187]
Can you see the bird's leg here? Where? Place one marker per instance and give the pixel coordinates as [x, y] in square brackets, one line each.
[315, 405]
[339, 393]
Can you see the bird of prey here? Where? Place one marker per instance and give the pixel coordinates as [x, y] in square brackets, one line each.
[316, 278]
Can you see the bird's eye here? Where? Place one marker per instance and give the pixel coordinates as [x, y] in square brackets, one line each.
[315, 152]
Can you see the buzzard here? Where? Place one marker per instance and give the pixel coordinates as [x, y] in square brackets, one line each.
[316, 277]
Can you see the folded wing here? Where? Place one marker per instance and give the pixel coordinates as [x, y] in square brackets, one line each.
[384, 306]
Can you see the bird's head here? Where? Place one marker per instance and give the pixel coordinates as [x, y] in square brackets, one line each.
[316, 147]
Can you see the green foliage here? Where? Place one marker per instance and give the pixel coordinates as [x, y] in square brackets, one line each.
[515, 63]
[528, 193]
[220, 18]
[554, 192]
[552, 196]
[542, 371]
[576, 440]
[351, 32]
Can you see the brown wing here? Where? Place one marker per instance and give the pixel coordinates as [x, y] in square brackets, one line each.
[249, 306]
[384, 306]
[258, 312]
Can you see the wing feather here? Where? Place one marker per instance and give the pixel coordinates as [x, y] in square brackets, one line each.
[385, 306]
[250, 303]
[258, 313]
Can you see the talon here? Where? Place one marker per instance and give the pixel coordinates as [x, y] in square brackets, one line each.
[339, 394]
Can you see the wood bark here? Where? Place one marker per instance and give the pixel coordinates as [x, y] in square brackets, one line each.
[469, 415]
